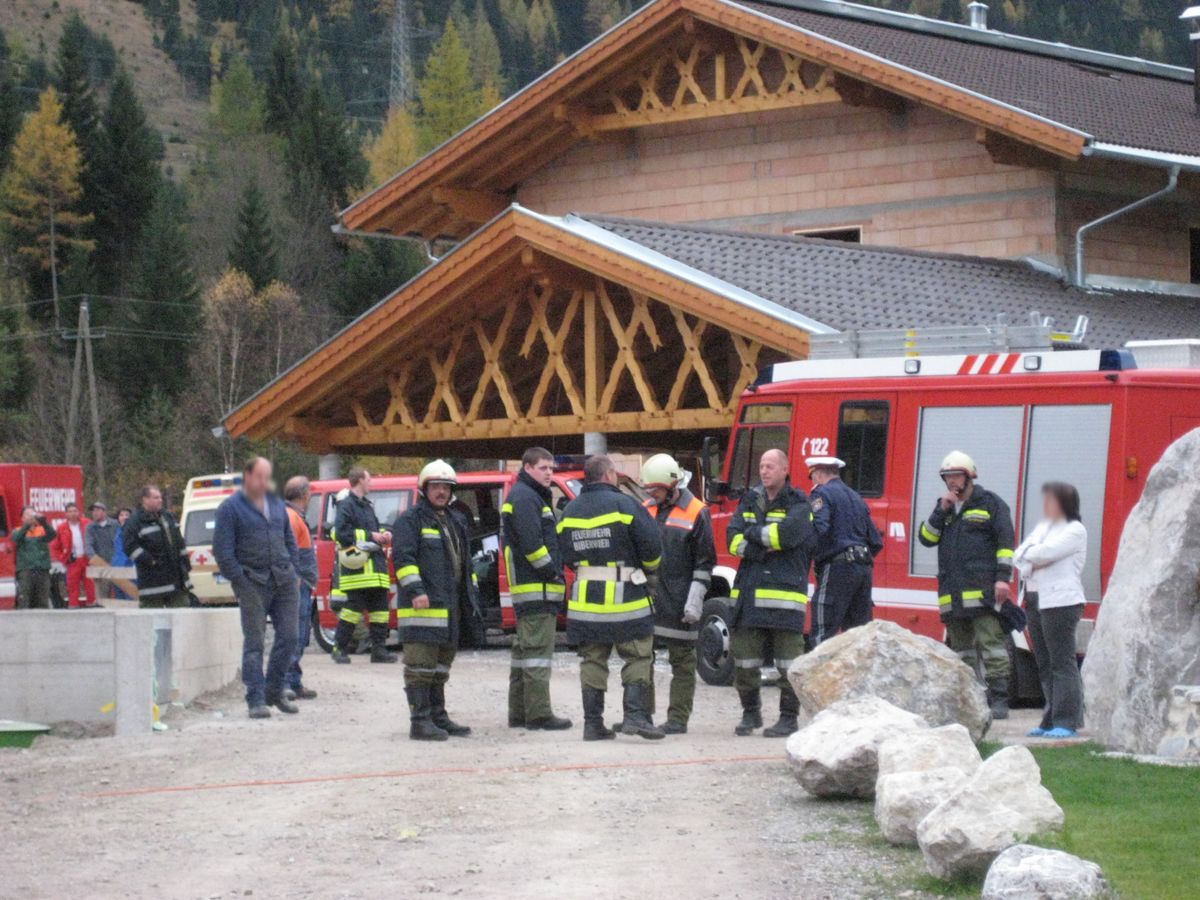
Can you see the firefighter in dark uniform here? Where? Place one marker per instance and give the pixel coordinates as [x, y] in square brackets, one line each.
[613, 545]
[772, 531]
[846, 550]
[535, 580]
[432, 556]
[362, 571]
[683, 579]
[972, 529]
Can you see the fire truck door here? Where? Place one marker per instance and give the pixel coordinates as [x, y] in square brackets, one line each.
[863, 432]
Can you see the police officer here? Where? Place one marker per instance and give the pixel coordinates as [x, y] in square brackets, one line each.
[845, 554]
[683, 578]
[535, 576]
[612, 544]
[772, 531]
[437, 590]
[972, 529]
[362, 570]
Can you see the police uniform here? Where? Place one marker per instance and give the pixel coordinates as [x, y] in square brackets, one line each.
[366, 589]
[688, 557]
[533, 562]
[612, 544]
[775, 539]
[848, 543]
[431, 555]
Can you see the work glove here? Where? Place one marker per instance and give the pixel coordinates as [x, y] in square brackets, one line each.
[57, 568]
[694, 606]
[764, 537]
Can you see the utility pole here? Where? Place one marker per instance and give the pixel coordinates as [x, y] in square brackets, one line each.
[83, 356]
[76, 384]
[400, 90]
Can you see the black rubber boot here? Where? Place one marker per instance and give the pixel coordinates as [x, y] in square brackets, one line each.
[789, 709]
[997, 694]
[437, 700]
[420, 710]
[379, 650]
[673, 727]
[593, 716]
[342, 638]
[549, 723]
[381, 654]
[751, 713]
[637, 719]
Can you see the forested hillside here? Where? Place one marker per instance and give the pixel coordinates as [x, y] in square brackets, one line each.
[180, 164]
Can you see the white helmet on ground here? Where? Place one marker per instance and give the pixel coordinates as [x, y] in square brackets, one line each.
[437, 472]
[957, 461]
[661, 470]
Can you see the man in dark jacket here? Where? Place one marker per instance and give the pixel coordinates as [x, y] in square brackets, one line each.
[535, 580]
[32, 542]
[436, 590]
[154, 544]
[972, 529]
[362, 570]
[256, 551]
[611, 542]
[296, 494]
[772, 532]
[845, 554]
[683, 579]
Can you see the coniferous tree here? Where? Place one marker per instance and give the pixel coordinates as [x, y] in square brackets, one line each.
[81, 111]
[323, 155]
[450, 101]
[254, 252]
[486, 63]
[285, 86]
[373, 270]
[236, 104]
[10, 104]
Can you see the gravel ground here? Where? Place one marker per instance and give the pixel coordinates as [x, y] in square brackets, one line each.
[357, 810]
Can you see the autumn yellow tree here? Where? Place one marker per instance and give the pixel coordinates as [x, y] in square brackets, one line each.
[395, 148]
[41, 189]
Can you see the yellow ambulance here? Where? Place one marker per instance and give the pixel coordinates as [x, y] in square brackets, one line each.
[200, 501]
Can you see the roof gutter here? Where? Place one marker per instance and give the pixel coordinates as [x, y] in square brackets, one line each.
[1080, 274]
[1157, 158]
[426, 246]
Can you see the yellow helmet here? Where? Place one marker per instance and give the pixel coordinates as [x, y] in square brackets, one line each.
[661, 470]
[957, 461]
[352, 558]
[438, 471]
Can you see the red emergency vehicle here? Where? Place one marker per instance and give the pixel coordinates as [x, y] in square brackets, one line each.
[1088, 417]
[479, 496]
[48, 489]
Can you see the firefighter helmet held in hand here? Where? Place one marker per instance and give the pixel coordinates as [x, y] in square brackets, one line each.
[437, 472]
[661, 470]
[352, 558]
[957, 461]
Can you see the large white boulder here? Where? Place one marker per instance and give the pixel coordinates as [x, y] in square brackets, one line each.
[947, 747]
[836, 754]
[1003, 803]
[1181, 738]
[1147, 636]
[881, 659]
[1025, 872]
[903, 799]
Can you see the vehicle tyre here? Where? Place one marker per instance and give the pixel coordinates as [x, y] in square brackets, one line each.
[714, 648]
[323, 636]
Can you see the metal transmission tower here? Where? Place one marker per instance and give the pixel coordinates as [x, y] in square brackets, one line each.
[400, 90]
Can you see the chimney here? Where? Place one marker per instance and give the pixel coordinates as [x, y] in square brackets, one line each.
[1191, 15]
[978, 15]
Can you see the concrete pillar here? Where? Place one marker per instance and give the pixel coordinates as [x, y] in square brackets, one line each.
[594, 442]
[329, 466]
[133, 640]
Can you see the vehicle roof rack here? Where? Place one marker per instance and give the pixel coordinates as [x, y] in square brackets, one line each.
[999, 337]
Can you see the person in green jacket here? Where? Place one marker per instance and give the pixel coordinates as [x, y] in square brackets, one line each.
[32, 541]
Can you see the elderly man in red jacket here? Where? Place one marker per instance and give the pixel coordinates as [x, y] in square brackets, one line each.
[68, 549]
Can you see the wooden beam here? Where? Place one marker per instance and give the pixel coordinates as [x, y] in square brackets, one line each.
[473, 205]
[859, 93]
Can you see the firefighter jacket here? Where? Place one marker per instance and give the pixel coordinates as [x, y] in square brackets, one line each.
[532, 557]
[613, 545]
[771, 588]
[975, 550]
[843, 522]
[431, 553]
[33, 546]
[155, 546]
[688, 555]
[354, 523]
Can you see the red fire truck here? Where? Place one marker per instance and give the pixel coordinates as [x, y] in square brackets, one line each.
[479, 497]
[48, 489]
[1089, 417]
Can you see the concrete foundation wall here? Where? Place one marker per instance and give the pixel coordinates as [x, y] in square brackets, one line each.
[96, 666]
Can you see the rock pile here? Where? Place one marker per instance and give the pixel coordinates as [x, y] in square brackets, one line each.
[1024, 872]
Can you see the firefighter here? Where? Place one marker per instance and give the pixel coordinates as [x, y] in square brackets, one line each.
[535, 577]
[973, 532]
[846, 550]
[772, 531]
[362, 570]
[152, 539]
[611, 542]
[683, 579]
[432, 557]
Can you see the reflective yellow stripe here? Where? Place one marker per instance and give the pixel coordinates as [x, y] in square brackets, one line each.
[430, 532]
[537, 588]
[772, 533]
[506, 508]
[750, 516]
[597, 521]
[378, 617]
[929, 534]
[777, 514]
[538, 553]
[422, 614]
[405, 571]
[735, 593]
[945, 600]
[972, 595]
[777, 594]
[652, 564]
[349, 615]
[608, 606]
[1004, 554]
[737, 541]
[980, 514]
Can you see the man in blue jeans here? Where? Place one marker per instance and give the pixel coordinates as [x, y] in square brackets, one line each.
[296, 494]
[256, 551]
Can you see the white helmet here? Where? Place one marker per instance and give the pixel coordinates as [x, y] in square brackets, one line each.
[661, 470]
[437, 472]
[824, 462]
[352, 557]
[957, 461]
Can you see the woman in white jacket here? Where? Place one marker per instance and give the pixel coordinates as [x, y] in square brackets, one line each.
[1051, 561]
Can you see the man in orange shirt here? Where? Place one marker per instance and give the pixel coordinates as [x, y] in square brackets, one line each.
[296, 493]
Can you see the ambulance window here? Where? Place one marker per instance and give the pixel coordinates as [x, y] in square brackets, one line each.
[862, 445]
[755, 437]
[198, 527]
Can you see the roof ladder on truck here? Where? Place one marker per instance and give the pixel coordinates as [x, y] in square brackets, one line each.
[999, 337]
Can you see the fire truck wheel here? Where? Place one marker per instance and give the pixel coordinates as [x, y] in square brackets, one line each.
[322, 635]
[715, 663]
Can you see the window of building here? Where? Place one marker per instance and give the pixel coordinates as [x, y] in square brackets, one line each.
[850, 235]
[1194, 234]
[862, 445]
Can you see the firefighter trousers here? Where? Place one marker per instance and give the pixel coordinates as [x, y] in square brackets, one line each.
[529, 674]
[426, 665]
[637, 659]
[750, 648]
[365, 603]
[980, 641]
[682, 657]
[843, 598]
